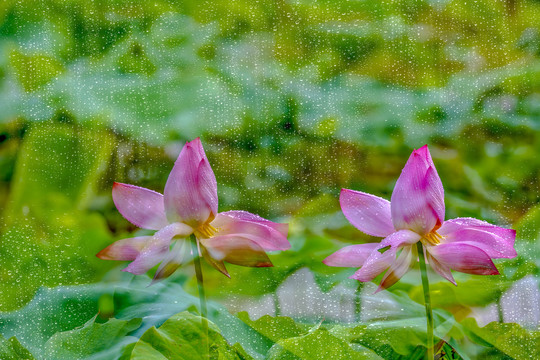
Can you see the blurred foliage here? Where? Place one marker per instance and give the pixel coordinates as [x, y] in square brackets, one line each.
[133, 331]
[294, 100]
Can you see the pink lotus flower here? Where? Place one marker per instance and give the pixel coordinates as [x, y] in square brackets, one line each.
[189, 206]
[416, 213]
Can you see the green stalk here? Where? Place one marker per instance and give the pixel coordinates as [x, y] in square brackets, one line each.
[500, 310]
[202, 297]
[358, 302]
[427, 300]
[277, 306]
[275, 296]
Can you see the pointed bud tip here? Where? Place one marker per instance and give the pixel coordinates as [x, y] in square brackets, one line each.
[103, 255]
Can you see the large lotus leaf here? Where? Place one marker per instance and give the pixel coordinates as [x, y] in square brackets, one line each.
[274, 328]
[11, 349]
[52, 311]
[184, 336]
[95, 340]
[316, 344]
[287, 339]
[403, 332]
[127, 297]
[401, 336]
[510, 339]
[64, 308]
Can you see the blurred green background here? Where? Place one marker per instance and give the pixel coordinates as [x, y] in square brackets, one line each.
[294, 100]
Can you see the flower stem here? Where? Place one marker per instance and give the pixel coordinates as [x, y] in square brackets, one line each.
[500, 312]
[358, 302]
[202, 297]
[275, 296]
[277, 306]
[427, 300]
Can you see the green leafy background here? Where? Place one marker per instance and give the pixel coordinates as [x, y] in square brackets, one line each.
[294, 100]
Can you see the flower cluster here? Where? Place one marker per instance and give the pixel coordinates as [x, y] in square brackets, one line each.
[415, 214]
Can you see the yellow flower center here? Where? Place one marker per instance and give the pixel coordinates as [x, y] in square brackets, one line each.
[433, 238]
[205, 231]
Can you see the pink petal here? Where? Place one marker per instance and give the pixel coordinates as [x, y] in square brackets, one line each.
[385, 254]
[418, 199]
[283, 229]
[507, 235]
[191, 190]
[142, 207]
[268, 235]
[207, 184]
[493, 245]
[397, 269]
[439, 268]
[172, 261]
[125, 249]
[157, 248]
[464, 258]
[368, 213]
[216, 264]
[374, 265]
[236, 250]
[351, 256]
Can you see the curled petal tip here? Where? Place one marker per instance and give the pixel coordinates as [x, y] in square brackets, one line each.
[104, 254]
[153, 282]
[512, 236]
[356, 278]
[424, 152]
[195, 143]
